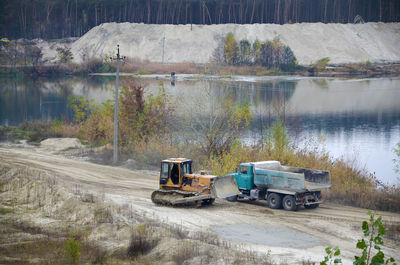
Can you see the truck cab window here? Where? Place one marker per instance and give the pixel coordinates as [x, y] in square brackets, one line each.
[243, 170]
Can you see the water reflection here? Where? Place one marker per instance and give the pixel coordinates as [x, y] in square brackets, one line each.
[357, 118]
[42, 99]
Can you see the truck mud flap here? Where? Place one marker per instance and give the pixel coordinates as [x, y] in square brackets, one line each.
[225, 187]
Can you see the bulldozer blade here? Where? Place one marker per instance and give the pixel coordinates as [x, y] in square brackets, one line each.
[225, 187]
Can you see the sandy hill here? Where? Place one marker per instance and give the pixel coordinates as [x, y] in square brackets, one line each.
[342, 43]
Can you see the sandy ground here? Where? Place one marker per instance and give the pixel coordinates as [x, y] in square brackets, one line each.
[342, 43]
[290, 236]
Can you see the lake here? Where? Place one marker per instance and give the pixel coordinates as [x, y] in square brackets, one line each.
[350, 118]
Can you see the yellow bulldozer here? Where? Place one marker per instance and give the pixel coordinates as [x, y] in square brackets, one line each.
[179, 186]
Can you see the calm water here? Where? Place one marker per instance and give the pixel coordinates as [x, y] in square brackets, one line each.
[348, 118]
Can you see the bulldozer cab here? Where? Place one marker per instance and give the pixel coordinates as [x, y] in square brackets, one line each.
[173, 170]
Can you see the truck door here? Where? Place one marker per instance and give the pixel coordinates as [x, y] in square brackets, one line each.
[244, 177]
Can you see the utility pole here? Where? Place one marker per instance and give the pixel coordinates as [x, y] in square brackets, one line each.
[118, 58]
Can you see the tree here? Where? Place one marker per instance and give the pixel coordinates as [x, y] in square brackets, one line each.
[64, 55]
[217, 124]
[142, 118]
[68, 18]
[231, 49]
[289, 61]
[257, 52]
[245, 52]
[266, 54]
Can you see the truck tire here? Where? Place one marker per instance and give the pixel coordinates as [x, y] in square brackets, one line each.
[289, 203]
[274, 201]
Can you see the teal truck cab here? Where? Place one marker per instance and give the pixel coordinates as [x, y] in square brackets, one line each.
[281, 186]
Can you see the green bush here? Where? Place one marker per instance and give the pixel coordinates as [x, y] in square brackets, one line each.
[72, 249]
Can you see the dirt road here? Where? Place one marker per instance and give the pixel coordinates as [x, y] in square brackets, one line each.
[290, 237]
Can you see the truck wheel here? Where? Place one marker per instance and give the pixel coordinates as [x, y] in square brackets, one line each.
[274, 201]
[289, 203]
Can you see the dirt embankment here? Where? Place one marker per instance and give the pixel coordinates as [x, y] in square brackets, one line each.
[56, 192]
[342, 43]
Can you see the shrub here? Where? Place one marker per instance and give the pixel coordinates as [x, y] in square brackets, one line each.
[370, 245]
[229, 120]
[141, 242]
[320, 65]
[72, 249]
[185, 251]
[80, 107]
[140, 118]
[397, 160]
[37, 131]
[64, 55]
[98, 128]
[94, 65]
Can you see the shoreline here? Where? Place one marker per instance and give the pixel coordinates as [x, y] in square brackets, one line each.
[209, 69]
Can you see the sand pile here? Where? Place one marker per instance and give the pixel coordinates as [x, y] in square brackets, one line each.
[342, 43]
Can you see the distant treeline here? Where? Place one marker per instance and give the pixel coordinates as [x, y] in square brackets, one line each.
[72, 18]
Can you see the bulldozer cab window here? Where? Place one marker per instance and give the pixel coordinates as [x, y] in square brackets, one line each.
[186, 168]
[175, 174]
[164, 169]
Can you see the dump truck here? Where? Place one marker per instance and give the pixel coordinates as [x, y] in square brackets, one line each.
[178, 185]
[281, 186]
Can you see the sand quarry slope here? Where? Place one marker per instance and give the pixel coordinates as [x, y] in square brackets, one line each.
[342, 43]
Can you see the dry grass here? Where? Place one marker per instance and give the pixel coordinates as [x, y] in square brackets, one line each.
[45, 247]
[146, 67]
[37, 131]
[185, 251]
[226, 70]
[142, 241]
[158, 148]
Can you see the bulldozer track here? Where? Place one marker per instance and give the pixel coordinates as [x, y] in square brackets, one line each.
[176, 197]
